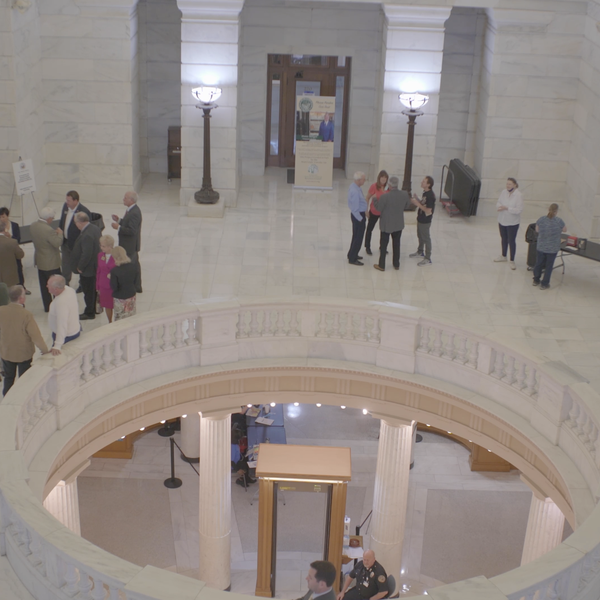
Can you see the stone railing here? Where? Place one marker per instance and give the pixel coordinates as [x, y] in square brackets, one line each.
[45, 404]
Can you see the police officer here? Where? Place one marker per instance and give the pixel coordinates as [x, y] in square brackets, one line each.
[371, 580]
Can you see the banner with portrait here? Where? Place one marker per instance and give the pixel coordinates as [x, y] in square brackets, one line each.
[315, 118]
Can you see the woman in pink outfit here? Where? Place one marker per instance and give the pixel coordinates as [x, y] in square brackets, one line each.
[106, 264]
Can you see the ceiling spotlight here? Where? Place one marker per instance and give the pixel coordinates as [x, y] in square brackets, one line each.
[365, 411]
[273, 403]
[163, 422]
[342, 407]
[142, 428]
[296, 403]
[318, 405]
[184, 416]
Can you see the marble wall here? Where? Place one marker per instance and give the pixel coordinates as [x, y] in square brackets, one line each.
[330, 29]
[91, 94]
[459, 88]
[160, 79]
[583, 177]
[527, 100]
[21, 104]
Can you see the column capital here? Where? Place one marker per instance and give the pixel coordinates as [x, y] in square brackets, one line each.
[209, 10]
[215, 415]
[72, 475]
[110, 7]
[537, 491]
[416, 17]
[518, 21]
[392, 421]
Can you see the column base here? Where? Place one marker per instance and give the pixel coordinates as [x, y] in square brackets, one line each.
[206, 211]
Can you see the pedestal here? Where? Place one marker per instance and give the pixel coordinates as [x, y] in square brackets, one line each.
[207, 211]
[215, 501]
[391, 493]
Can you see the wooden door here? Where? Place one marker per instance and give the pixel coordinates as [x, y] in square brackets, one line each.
[292, 75]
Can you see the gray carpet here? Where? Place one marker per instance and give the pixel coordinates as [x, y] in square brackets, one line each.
[300, 523]
[145, 501]
[470, 533]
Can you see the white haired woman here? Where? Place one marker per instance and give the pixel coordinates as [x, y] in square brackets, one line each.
[124, 283]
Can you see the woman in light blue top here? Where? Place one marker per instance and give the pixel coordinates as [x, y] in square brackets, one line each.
[549, 229]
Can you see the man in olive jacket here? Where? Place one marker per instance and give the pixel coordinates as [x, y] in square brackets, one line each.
[391, 206]
[10, 251]
[18, 334]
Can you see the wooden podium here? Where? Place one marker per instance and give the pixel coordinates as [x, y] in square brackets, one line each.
[305, 469]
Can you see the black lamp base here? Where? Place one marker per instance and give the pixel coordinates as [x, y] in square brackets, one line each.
[166, 431]
[206, 196]
[173, 483]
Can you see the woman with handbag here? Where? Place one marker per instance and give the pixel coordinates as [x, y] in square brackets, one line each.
[124, 281]
[106, 263]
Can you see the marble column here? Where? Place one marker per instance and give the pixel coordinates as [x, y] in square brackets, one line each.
[544, 526]
[391, 492]
[190, 435]
[215, 500]
[414, 45]
[527, 102]
[210, 34]
[63, 501]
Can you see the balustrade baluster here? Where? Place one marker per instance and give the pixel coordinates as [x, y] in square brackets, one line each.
[592, 436]
[510, 369]
[571, 422]
[154, 341]
[267, 324]
[45, 398]
[254, 323]
[521, 375]
[97, 361]
[498, 370]
[241, 325]
[85, 586]
[530, 390]
[362, 328]
[294, 325]
[192, 331]
[36, 557]
[38, 404]
[280, 327]
[587, 430]
[376, 329]
[144, 351]
[107, 357]
[31, 417]
[437, 344]
[581, 420]
[449, 350]
[322, 332]
[113, 593]
[473, 354]
[71, 578]
[461, 353]
[424, 339]
[98, 593]
[118, 352]
[348, 331]
[335, 333]
[179, 333]
[167, 337]
[86, 367]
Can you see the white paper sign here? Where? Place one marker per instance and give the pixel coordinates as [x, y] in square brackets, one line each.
[24, 177]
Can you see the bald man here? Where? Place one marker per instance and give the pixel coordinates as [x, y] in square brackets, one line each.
[371, 580]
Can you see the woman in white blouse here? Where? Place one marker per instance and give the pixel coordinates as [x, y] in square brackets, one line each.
[509, 206]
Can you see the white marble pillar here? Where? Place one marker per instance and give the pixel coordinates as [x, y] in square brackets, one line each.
[215, 500]
[414, 45]
[527, 97]
[544, 527]
[190, 435]
[210, 34]
[391, 493]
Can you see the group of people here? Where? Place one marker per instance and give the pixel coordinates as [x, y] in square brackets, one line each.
[107, 273]
[548, 228]
[371, 581]
[386, 203]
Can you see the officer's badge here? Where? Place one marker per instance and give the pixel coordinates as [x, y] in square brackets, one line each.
[381, 579]
[372, 574]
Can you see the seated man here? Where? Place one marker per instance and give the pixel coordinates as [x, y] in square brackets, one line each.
[371, 580]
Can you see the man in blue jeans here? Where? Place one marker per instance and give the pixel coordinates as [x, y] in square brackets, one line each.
[358, 209]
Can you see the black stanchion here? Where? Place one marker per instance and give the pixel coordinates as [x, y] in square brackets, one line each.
[185, 458]
[173, 482]
[167, 430]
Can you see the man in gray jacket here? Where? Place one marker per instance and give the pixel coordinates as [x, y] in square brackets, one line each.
[85, 261]
[391, 206]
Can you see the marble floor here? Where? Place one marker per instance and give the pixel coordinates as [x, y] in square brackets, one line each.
[282, 242]
[440, 467]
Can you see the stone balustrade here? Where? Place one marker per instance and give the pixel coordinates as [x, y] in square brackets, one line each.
[44, 408]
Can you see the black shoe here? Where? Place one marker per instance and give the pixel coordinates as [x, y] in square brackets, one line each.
[27, 293]
[84, 317]
[249, 479]
[240, 481]
[79, 290]
[397, 268]
[360, 257]
[368, 251]
[356, 262]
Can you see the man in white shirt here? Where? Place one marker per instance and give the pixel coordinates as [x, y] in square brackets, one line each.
[63, 317]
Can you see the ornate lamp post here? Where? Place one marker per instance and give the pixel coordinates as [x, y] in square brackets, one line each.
[412, 102]
[207, 96]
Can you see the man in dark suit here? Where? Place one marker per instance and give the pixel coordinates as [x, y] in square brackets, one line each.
[320, 578]
[130, 231]
[70, 231]
[85, 261]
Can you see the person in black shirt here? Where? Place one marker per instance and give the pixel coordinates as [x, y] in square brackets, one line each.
[371, 580]
[426, 207]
